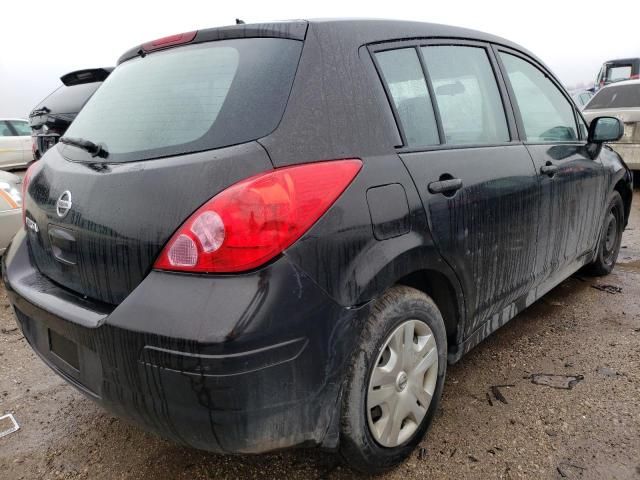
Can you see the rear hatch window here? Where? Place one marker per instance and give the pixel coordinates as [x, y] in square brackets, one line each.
[619, 96]
[617, 73]
[64, 103]
[189, 99]
[68, 99]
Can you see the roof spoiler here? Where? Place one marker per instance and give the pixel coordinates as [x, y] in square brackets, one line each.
[88, 75]
[291, 29]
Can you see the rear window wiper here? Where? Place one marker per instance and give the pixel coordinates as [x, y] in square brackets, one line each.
[95, 149]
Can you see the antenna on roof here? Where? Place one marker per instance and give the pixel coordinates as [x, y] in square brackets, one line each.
[239, 22]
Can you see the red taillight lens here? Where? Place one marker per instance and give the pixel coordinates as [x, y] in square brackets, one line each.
[170, 41]
[254, 220]
[25, 186]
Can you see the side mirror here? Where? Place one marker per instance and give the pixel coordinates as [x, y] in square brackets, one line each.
[605, 129]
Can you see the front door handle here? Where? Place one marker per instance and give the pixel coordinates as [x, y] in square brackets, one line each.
[445, 186]
[549, 169]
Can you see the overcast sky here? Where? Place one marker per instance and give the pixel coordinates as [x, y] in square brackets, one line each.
[42, 40]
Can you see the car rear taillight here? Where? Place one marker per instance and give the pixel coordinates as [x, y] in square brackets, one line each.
[249, 223]
[170, 41]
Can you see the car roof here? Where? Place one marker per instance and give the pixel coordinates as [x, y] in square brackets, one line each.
[352, 31]
[623, 60]
[379, 30]
[369, 30]
[621, 83]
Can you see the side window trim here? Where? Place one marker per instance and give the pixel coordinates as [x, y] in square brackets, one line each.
[516, 110]
[398, 134]
[387, 91]
[434, 101]
[579, 118]
[513, 126]
[513, 116]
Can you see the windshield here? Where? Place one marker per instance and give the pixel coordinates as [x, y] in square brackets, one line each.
[616, 96]
[190, 98]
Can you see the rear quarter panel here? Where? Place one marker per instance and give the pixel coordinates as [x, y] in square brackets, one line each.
[338, 109]
[341, 253]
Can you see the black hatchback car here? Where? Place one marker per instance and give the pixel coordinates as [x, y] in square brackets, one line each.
[51, 118]
[264, 236]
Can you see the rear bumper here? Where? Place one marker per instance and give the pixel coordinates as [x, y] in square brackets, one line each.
[244, 363]
[630, 153]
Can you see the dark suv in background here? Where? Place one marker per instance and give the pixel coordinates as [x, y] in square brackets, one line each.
[265, 236]
[50, 119]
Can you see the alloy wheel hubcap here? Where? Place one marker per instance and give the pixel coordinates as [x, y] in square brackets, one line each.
[402, 383]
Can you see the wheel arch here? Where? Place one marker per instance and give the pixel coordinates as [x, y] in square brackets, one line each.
[445, 295]
[624, 189]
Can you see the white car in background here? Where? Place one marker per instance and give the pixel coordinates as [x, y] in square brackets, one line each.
[15, 143]
[621, 100]
[10, 207]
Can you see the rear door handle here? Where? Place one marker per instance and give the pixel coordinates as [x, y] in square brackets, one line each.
[549, 169]
[445, 186]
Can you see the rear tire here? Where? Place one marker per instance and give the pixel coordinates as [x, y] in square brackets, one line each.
[386, 381]
[610, 238]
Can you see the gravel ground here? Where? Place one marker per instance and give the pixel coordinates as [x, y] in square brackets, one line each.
[535, 431]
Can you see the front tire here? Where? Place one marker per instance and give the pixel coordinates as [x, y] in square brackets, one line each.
[610, 238]
[395, 381]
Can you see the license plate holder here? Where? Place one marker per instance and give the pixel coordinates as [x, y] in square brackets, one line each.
[64, 349]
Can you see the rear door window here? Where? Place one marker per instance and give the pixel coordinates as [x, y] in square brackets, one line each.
[5, 131]
[467, 95]
[547, 115]
[191, 98]
[616, 96]
[408, 88]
